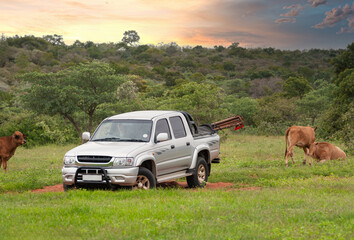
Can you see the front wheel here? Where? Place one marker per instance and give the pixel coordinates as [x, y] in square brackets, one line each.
[145, 179]
[200, 176]
[68, 187]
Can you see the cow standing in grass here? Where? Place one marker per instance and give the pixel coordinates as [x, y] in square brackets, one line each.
[301, 137]
[325, 151]
[8, 147]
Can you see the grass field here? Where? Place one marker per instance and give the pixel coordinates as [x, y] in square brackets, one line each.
[267, 201]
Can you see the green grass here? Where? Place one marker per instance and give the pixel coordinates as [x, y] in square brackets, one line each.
[259, 161]
[298, 202]
[33, 168]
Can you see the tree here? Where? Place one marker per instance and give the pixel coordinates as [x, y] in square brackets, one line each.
[228, 66]
[198, 77]
[54, 39]
[131, 37]
[338, 121]
[345, 60]
[296, 87]
[274, 114]
[71, 92]
[314, 103]
[129, 91]
[203, 101]
[246, 107]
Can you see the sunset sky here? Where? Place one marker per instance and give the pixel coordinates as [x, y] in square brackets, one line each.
[283, 24]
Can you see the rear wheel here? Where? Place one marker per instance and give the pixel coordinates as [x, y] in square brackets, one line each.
[200, 176]
[145, 179]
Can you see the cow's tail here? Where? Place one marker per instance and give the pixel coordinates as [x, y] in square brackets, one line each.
[286, 141]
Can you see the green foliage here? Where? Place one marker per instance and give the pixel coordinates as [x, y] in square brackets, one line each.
[28, 42]
[201, 100]
[131, 37]
[197, 77]
[119, 69]
[338, 121]
[296, 87]
[228, 66]
[39, 129]
[275, 114]
[242, 73]
[245, 106]
[345, 60]
[79, 89]
[316, 102]
[22, 60]
[54, 39]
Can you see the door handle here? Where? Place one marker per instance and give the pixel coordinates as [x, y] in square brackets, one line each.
[172, 146]
[188, 143]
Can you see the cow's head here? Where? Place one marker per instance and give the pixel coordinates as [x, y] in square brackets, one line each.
[19, 138]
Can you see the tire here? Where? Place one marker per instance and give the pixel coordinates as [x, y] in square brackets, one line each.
[68, 187]
[200, 175]
[145, 180]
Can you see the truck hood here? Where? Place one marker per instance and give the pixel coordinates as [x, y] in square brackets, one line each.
[114, 149]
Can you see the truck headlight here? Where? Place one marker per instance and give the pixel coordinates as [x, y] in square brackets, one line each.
[119, 161]
[69, 160]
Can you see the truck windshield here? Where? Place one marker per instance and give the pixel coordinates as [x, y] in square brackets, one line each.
[123, 130]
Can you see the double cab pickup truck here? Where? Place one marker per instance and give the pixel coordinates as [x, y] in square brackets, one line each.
[140, 149]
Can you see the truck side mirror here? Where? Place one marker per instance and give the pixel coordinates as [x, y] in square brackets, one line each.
[162, 137]
[86, 136]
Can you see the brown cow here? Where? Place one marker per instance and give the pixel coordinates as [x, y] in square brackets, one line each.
[8, 147]
[301, 137]
[326, 151]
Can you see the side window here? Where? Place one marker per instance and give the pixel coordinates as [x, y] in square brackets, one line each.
[177, 127]
[162, 127]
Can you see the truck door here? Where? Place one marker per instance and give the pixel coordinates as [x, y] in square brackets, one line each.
[163, 151]
[171, 155]
[182, 142]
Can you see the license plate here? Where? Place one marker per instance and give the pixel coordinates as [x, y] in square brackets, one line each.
[92, 177]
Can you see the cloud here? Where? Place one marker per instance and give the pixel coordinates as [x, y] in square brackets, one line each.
[350, 27]
[316, 3]
[297, 6]
[295, 10]
[285, 20]
[336, 15]
[292, 13]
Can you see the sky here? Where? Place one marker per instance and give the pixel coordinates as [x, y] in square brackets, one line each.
[282, 24]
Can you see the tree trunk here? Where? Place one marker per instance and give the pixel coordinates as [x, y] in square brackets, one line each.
[71, 119]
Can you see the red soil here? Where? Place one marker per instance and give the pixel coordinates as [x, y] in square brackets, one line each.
[171, 184]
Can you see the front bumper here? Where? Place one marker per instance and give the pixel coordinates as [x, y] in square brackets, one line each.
[116, 176]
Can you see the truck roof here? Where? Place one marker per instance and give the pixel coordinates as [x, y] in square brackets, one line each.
[145, 115]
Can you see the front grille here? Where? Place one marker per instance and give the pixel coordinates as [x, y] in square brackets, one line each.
[90, 171]
[94, 159]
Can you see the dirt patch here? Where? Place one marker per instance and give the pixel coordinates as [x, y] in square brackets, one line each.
[170, 184]
[55, 188]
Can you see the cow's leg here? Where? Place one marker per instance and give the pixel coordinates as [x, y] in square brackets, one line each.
[4, 164]
[325, 158]
[289, 153]
[292, 154]
[306, 155]
[309, 156]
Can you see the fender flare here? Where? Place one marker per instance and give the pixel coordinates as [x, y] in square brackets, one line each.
[146, 157]
[197, 150]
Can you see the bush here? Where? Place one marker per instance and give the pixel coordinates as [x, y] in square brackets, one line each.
[40, 130]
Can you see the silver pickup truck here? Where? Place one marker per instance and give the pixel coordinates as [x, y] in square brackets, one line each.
[143, 148]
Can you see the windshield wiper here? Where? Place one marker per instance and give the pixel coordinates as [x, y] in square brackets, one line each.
[132, 140]
[106, 139]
